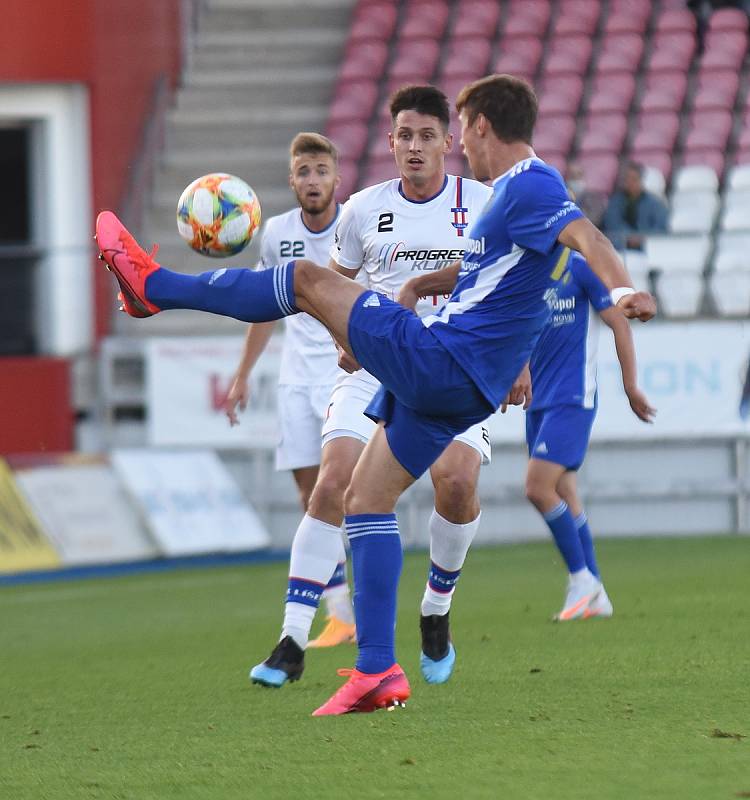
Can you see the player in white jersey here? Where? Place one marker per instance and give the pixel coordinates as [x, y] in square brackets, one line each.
[309, 366]
[387, 234]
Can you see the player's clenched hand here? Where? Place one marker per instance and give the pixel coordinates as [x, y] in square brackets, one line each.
[408, 297]
[238, 395]
[346, 362]
[639, 403]
[640, 305]
[520, 392]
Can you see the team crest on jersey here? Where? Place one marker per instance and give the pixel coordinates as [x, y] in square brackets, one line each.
[459, 211]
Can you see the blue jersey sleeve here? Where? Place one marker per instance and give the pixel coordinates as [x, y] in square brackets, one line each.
[537, 206]
[597, 292]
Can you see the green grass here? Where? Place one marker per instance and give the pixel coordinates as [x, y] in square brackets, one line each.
[137, 687]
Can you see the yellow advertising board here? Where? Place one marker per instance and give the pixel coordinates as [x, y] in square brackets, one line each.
[23, 545]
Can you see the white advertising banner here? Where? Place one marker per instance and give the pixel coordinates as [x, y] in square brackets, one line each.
[693, 373]
[86, 514]
[187, 380]
[189, 501]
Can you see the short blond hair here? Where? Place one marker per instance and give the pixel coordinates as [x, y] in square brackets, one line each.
[307, 143]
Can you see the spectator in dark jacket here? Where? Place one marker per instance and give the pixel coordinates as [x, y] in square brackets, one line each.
[632, 212]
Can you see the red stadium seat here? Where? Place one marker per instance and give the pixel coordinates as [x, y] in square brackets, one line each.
[424, 19]
[465, 60]
[656, 130]
[518, 54]
[627, 16]
[379, 169]
[363, 60]
[620, 52]
[373, 21]
[708, 130]
[743, 140]
[415, 60]
[559, 162]
[348, 172]
[672, 51]
[568, 55]
[577, 17]
[728, 19]
[658, 159]
[554, 134]
[710, 157]
[612, 92]
[603, 133]
[476, 18]
[742, 156]
[455, 164]
[600, 172]
[716, 89]
[675, 20]
[724, 50]
[527, 18]
[665, 91]
[353, 100]
[350, 138]
[560, 94]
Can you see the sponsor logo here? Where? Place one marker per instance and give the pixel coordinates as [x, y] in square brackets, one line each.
[567, 207]
[215, 277]
[476, 247]
[396, 253]
[541, 448]
[372, 301]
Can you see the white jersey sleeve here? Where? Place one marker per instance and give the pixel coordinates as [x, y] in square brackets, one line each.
[268, 256]
[348, 249]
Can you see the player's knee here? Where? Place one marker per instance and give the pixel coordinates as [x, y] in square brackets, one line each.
[537, 492]
[458, 492]
[328, 495]
[304, 275]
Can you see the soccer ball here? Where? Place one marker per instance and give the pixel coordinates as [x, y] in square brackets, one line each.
[218, 215]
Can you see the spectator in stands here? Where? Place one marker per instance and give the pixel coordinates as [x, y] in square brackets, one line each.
[592, 203]
[632, 212]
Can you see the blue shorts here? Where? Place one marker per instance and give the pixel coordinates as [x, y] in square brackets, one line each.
[560, 434]
[426, 398]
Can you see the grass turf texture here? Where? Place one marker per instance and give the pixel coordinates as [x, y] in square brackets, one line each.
[137, 687]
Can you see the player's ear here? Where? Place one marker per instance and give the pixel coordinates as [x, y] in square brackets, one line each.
[448, 143]
[390, 142]
[481, 123]
[337, 179]
[291, 181]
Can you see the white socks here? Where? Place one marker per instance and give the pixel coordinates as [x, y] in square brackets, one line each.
[449, 544]
[316, 550]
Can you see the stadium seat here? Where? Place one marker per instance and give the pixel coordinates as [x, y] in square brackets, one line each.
[577, 17]
[724, 49]
[363, 60]
[527, 18]
[567, 55]
[719, 95]
[656, 130]
[373, 21]
[424, 19]
[455, 164]
[379, 169]
[678, 253]
[708, 129]
[680, 294]
[476, 18]
[603, 133]
[465, 62]
[693, 211]
[520, 54]
[736, 215]
[675, 20]
[554, 134]
[353, 100]
[730, 282]
[702, 156]
[560, 94]
[620, 53]
[660, 160]
[695, 179]
[350, 138]
[612, 92]
[348, 172]
[733, 242]
[728, 19]
[415, 60]
[672, 51]
[653, 180]
[557, 161]
[739, 178]
[665, 91]
[600, 172]
[623, 20]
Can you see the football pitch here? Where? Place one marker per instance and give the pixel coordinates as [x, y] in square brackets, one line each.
[136, 687]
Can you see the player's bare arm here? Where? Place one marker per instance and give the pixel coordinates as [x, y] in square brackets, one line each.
[257, 337]
[441, 281]
[582, 235]
[616, 320]
[347, 362]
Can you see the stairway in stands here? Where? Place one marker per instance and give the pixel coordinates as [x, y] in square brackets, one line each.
[259, 71]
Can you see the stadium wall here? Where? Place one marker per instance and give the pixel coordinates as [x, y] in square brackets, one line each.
[118, 49]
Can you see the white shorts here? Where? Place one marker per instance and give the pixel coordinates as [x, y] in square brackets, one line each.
[345, 416]
[301, 410]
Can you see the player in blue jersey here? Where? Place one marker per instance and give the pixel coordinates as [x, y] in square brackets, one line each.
[440, 374]
[559, 420]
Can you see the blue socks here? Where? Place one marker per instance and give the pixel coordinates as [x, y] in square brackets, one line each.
[251, 296]
[376, 565]
[565, 532]
[587, 543]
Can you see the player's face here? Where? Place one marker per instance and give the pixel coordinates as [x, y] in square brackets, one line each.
[419, 142]
[471, 144]
[314, 180]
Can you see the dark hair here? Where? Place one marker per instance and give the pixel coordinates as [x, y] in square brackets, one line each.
[422, 99]
[509, 103]
[635, 166]
[306, 143]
